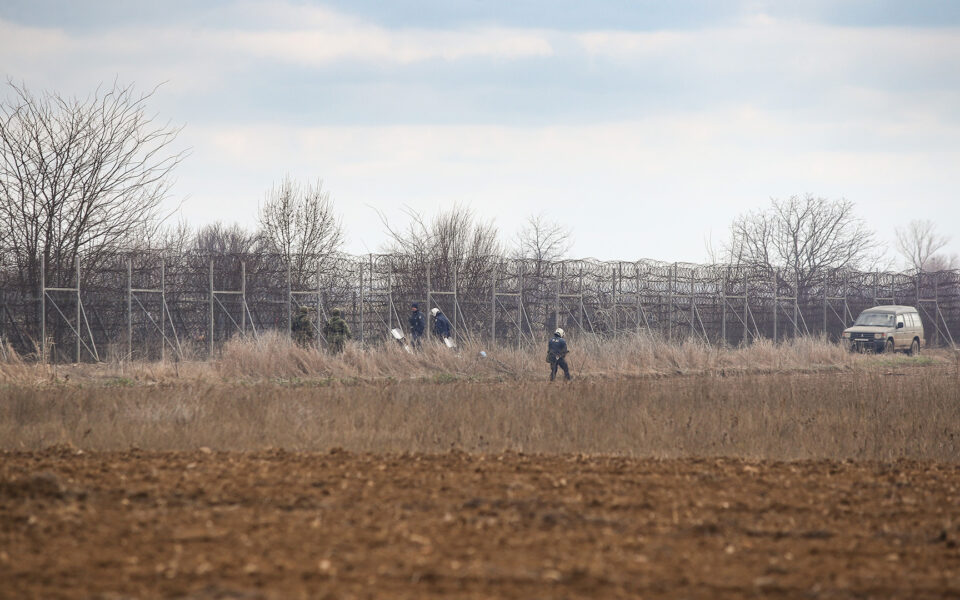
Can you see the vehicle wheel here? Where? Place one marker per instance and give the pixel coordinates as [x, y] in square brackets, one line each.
[914, 348]
[888, 347]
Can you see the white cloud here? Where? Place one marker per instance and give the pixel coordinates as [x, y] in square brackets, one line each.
[281, 32]
[324, 45]
[622, 186]
[787, 49]
[781, 108]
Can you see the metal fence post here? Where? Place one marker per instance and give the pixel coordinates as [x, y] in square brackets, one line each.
[76, 262]
[583, 311]
[493, 307]
[429, 298]
[361, 302]
[130, 308]
[824, 306]
[563, 268]
[243, 297]
[776, 303]
[210, 341]
[43, 309]
[723, 307]
[746, 308]
[289, 302]
[163, 311]
[636, 270]
[520, 307]
[390, 294]
[617, 273]
[318, 308]
[673, 278]
[456, 303]
[796, 306]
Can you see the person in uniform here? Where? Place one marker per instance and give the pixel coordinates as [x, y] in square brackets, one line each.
[556, 355]
[336, 331]
[302, 327]
[441, 325]
[418, 324]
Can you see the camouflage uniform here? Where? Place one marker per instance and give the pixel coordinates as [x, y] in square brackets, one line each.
[302, 327]
[336, 331]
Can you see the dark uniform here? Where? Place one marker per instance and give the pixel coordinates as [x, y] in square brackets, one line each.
[556, 356]
[418, 325]
[302, 327]
[441, 326]
[336, 331]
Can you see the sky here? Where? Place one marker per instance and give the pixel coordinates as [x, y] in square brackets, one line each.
[644, 126]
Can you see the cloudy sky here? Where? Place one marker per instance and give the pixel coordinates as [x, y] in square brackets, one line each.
[644, 125]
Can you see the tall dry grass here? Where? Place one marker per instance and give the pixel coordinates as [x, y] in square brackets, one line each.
[855, 414]
[274, 356]
[14, 369]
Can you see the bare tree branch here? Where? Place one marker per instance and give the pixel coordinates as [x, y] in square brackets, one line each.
[79, 176]
[801, 239]
[298, 222]
[918, 244]
[543, 240]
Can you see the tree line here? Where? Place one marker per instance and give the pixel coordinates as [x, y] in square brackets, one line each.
[89, 176]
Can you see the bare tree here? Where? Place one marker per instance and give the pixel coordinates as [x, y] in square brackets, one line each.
[220, 239]
[175, 239]
[942, 262]
[802, 238]
[453, 241]
[543, 240]
[918, 244]
[79, 176]
[298, 223]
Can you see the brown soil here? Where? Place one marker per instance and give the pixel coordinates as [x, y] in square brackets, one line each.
[283, 525]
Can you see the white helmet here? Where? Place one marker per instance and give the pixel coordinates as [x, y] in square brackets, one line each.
[434, 311]
[558, 332]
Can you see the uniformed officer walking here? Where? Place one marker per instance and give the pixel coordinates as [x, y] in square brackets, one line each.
[556, 355]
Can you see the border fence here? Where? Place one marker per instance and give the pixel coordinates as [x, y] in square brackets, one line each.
[153, 305]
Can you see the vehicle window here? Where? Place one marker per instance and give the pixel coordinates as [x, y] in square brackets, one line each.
[899, 319]
[916, 320]
[875, 319]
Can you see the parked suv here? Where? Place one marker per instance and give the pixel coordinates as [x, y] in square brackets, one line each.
[886, 329]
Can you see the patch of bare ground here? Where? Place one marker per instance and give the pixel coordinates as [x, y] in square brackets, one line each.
[207, 524]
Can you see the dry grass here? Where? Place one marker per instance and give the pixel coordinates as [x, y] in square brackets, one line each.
[274, 356]
[640, 397]
[859, 415]
[637, 356]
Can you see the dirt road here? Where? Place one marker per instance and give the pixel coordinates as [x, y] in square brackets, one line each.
[282, 525]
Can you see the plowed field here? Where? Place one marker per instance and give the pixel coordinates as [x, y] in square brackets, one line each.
[208, 524]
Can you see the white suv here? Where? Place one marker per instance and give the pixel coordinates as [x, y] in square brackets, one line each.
[886, 329]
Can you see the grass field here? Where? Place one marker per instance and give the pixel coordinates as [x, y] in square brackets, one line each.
[808, 399]
[273, 356]
[794, 471]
